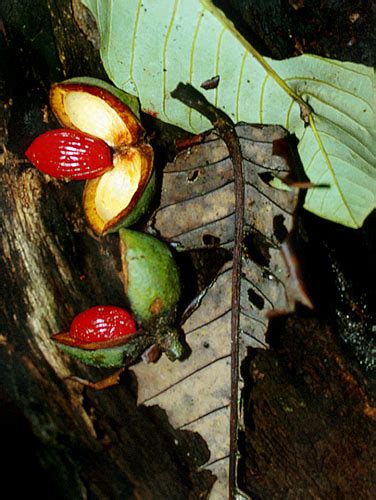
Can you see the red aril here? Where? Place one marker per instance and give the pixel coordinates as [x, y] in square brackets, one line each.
[100, 324]
[69, 154]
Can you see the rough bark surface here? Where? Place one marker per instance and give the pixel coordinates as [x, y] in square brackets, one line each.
[310, 419]
[91, 444]
[97, 443]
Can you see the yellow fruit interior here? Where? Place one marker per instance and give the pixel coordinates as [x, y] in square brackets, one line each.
[94, 116]
[117, 187]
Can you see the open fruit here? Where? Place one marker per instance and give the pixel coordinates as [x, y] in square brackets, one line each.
[103, 336]
[98, 326]
[121, 195]
[95, 111]
[106, 336]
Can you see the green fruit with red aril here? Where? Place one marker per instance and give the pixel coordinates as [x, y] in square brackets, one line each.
[104, 336]
[122, 194]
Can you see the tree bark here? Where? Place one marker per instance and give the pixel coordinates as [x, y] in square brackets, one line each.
[92, 444]
[310, 420]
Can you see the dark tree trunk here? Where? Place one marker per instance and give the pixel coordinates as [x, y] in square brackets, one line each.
[310, 418]
[91, 444]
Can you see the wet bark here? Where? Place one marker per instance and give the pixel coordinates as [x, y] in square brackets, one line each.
[72, 442]
[310, 400]
[311, 419]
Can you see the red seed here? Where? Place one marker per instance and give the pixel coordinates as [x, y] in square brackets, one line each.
[101, 323]
[69, 154]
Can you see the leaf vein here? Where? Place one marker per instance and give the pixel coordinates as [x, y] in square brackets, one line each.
[258, 289]
[267, 197]
[340, 111]
[253, 318]
[168, 33]
[333, 62]
[241, 137]
[203, 226]
[214, 164]
[253, 163]
[192, 56]
[201, 195]
[217, 460]
[342, 143]
[209, 413]
[133, 48]
[331, 169]
[217, 62]
[248, 334]
[267, 238]
[287, 123]
[262, 90]
[331, 85]
[240, 79]
[186, 377]
[203, 325]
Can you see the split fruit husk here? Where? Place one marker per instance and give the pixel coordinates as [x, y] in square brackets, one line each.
[104, 336]
[151, 276]
[95, 108]
[121, 195]
[109, 355]
[152, 284]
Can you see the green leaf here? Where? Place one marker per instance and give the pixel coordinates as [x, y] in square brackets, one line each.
[148, 47]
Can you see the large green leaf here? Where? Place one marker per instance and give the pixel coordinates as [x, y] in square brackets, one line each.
[148, 47]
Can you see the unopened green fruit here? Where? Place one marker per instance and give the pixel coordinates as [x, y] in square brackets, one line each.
[151, 277]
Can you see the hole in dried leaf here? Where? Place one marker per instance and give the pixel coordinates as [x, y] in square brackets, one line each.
[206, 345]
[279, 228]
[198, 269]
[210, 240]
[192, 176]
[281, 147]
[266, 177]
[256, 248]
[255, 299]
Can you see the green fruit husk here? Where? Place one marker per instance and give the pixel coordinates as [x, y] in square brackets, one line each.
[152, 281]
[140, 209]
[129, 100]
[112, 357]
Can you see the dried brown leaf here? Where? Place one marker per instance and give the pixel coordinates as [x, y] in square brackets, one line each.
[198, 207]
